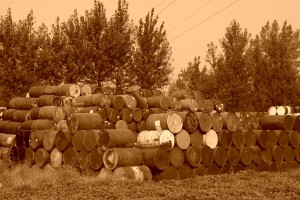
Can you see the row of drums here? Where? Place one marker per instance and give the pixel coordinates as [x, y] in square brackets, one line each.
[110, 151]
[282, 110]
[117, 102]
[144, 97]
[81, 89]
[173, 121]
[261, 141]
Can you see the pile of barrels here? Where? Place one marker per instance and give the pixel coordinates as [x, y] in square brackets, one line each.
[142, 134]
[249, 120]
[8, 149]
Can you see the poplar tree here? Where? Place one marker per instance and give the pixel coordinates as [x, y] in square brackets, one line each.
[273, 53]
[192, 78]
[94, 24]
[152, 57]
[118, 46]
[17, 55]
[231, 71]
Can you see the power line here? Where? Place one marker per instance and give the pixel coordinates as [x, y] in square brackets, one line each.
[190, 16]
[211, 16]
[166, 7]
[159, 4]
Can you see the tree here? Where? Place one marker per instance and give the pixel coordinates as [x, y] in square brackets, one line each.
[232, 74]
[75, 49]
[18, 55]
[118, 46]
[273, 53]
[94, 25]
[192, 78]
[47, 57]
[152, 56]
[57, 53]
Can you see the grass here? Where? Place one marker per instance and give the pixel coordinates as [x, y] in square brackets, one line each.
[24, 182]
[34, 177]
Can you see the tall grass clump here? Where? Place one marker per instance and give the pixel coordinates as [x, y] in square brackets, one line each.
[25, 176]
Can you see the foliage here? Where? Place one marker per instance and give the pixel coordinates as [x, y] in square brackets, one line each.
[18, 47]
[192, 78]
[230, 76]
[87, 48]
[151, 67]
[188, 78]
[249, 74]
[232, 72]
[48, 63]
[118, 45]
[94, 25]
[273, 53]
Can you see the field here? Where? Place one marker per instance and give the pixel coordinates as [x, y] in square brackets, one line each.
[33, 183]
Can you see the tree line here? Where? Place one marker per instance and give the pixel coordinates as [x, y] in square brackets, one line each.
[248, 74]
[91, 48]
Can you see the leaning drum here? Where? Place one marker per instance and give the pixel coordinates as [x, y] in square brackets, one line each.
[121, 157]
[136, 173]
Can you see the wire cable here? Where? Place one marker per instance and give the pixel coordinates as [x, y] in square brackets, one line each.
[159, 4]
[190, 16]
[211, 16]
[166, 7]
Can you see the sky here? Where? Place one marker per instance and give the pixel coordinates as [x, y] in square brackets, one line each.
[190, 24]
